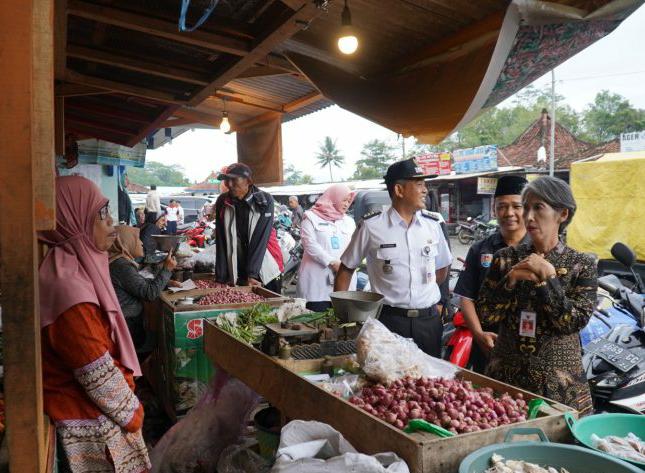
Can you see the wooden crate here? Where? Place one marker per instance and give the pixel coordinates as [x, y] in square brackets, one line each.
[169, 298]
[298, 398]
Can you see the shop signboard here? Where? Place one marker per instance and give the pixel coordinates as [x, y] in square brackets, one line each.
[634, 141]
[486, 185]
[480, 159]
[434, 163]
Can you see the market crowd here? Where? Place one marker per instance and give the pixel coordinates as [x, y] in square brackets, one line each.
[525, 294]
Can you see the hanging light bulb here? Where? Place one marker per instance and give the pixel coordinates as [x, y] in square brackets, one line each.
[347, 41]
[225, 125]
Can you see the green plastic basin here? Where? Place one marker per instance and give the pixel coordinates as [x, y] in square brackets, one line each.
[575, 459]
[607, 424]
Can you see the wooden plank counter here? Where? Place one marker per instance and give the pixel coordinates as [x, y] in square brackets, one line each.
[298, 398]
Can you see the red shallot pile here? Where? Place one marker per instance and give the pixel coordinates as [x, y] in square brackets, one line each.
[230, 296]
[208, 284]
[451, 403]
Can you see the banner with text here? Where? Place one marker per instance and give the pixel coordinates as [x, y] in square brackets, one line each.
[434, 163]
[480, 159]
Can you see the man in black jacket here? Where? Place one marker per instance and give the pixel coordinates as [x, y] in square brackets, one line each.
[247, 248]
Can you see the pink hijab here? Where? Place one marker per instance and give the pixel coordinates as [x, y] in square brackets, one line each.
[327, 206]
[74, 270]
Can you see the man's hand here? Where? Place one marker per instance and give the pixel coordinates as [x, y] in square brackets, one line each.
[343, 278]
[335, 266]
[486, 340]
[253, 282]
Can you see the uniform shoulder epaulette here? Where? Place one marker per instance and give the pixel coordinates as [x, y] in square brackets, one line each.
[431, 215]
[369, 215]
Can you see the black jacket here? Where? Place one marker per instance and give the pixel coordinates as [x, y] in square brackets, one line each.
[261, 226]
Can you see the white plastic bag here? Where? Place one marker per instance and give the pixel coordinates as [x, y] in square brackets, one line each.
[385, 356]
[314, 447]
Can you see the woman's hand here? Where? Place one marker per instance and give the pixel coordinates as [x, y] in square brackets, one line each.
[518, 274]
[170, 263]
[173, 283]
[537, 265]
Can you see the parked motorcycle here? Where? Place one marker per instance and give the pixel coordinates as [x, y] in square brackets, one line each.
[614, 341]
[474, 229]
[292, 251]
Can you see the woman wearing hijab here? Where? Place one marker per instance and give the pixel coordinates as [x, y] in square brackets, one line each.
[89, 362]
[153, 225]
[325, 233]
[130, 287]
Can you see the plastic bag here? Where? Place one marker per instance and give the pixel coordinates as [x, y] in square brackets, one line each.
[386, 356]
[205, 260]
[344, 386]
[241, 459]
[314, 447]
[630, 447]
[292, 309]
[184, 251]
[195, 443]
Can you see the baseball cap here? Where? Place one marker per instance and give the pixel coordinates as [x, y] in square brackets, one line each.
[405, 169]
[236, 170]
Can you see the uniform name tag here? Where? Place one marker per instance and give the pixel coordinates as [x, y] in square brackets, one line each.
[527, 324]
[335, 243]
[388, 245]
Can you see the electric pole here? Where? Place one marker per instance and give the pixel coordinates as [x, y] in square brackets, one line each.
[552, 160]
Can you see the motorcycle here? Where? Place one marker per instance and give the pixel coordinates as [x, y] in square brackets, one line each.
[475, 230]
[291, 247]
[198, 234]
[457, 337]
[614, 341]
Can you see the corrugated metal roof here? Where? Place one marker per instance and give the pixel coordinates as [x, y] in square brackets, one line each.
[279, 89]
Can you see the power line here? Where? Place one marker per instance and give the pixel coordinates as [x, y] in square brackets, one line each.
[599, 76]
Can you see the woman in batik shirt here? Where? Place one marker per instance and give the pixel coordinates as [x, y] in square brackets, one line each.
[88, 358]
[542, 294]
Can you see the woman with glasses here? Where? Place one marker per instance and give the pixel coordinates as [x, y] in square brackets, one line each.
[88, 359]
[541, 294]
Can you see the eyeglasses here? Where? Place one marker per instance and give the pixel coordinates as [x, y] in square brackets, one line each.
[104, 212]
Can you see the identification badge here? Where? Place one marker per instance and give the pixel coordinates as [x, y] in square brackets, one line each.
[335, 243]
[527, 324]
[486, 260]
[387, 267]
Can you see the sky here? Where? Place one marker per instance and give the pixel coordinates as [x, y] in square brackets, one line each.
[615, 63]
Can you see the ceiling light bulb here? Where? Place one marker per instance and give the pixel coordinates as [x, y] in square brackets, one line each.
[225, 126]
[347, 40]
[348, 43]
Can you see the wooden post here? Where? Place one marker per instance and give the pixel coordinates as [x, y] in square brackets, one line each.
[26, 177]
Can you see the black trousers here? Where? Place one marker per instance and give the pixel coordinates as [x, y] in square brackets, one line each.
[275, 285]
[425, 330]
[318, 306]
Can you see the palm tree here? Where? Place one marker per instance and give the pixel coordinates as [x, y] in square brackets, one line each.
[328, 154]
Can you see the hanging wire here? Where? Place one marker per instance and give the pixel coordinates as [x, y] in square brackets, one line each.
[185, 4]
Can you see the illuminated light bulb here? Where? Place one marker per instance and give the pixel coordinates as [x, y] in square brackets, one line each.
[225, 125]
[348, 44]
[347, 41]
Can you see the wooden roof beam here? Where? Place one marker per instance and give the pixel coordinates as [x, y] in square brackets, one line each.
[137, 65]
[198, 117]
[246, 100]
[302, 102]
[488, 26]
[156, 27]
[177, 122]
[112, 127]
[83, 79]
[65, 89]
[292, 22]
[109, 112]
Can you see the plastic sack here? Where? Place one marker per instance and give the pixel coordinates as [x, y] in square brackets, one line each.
[241, 459]
[184, 251]
[205, 260]
[292, 309]
[385, 356]
[314, 447]
[195, 443]
[629, 448]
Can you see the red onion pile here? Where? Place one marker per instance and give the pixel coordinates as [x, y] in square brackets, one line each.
[229, 296]
[451, 403]
[208, 284]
